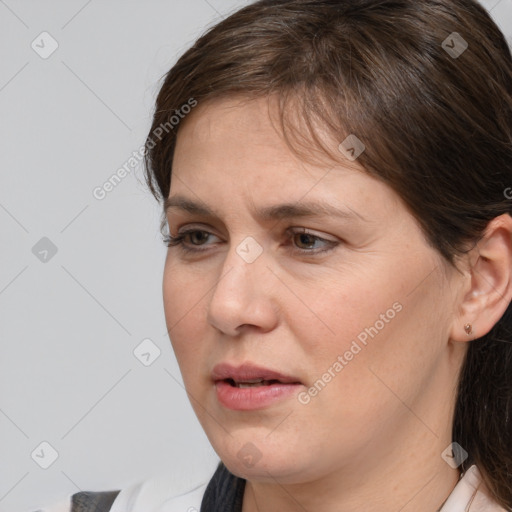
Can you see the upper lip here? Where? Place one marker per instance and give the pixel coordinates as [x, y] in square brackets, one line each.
[247, 372]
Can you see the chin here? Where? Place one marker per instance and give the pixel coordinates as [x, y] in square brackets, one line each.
[252, 458]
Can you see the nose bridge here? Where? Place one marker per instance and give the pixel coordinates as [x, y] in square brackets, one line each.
[241, 293]
[244, 267]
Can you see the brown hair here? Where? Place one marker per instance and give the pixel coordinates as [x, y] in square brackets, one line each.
[436, 126]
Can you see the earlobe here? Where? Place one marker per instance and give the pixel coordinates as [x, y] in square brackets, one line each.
[490, 288]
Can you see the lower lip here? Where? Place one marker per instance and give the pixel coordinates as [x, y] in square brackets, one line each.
[255, 397]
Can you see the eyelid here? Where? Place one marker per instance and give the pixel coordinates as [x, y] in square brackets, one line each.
[193, 227]
[308, 231]
[187, 228]
[294, 229]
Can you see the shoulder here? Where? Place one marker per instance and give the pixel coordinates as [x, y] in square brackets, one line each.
[483, 500]
[84, 502]
[471, 494]
[177, 491]
[137, 498]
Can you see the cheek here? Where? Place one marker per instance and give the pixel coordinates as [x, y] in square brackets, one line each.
[366, 325]
[182, 290]
[184, 306]
[388, 350]
[345, 307]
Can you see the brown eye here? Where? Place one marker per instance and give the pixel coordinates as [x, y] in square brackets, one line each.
[190, 241]
[197, 237]
[305, 242]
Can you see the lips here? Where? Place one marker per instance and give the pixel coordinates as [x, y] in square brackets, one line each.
[249, 375]
[249, 387]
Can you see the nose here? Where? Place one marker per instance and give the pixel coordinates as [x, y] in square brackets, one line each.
[242, 296]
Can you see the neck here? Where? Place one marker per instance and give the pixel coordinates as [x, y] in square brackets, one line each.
[426, 491]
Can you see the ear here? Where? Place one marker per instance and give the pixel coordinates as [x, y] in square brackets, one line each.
[489, 291]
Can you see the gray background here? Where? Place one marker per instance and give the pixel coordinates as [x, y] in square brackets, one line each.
[70, 321]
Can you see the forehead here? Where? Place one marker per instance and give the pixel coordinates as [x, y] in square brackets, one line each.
[240, 132]
[233, 149]
[280, 130]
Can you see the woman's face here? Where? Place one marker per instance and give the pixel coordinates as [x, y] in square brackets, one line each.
[351, 309]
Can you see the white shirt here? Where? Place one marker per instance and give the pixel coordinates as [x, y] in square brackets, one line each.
[163, 495]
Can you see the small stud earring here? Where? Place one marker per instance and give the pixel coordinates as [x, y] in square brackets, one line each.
[467, 328]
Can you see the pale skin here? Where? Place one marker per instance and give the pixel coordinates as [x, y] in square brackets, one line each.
[372, 439]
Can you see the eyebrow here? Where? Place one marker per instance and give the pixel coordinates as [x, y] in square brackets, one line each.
[268, 213]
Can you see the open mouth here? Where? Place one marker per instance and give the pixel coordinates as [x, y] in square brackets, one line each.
[254, 383]
[249, 387]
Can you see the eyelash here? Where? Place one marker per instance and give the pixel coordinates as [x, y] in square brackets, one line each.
[179, 241]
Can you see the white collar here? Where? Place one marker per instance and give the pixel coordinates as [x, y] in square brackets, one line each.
[471, 495]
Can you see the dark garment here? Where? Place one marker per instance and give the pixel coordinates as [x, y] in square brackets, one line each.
[224, 493]
[93, 501]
